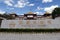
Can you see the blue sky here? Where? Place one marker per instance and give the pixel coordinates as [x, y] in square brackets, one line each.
[21, 7]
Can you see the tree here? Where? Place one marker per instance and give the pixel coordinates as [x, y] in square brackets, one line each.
[56, 12]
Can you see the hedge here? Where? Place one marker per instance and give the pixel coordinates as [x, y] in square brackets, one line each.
[30, 30]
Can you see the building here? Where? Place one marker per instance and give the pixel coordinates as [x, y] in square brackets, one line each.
[30, 16]
[26, 16]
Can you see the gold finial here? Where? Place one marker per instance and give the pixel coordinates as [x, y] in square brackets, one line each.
[30, 13]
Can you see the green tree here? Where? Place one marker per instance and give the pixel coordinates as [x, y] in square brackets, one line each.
[56, 12]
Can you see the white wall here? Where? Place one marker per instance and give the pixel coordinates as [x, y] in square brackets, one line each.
[47, 23]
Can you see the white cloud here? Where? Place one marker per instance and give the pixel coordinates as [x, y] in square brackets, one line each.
[30, 4]
[38, 13]
[39, 8]
[21, 14]
[21, 3]
[10, 8]
[50, 9]
[45, 1]
[8, 2]
[2, 12]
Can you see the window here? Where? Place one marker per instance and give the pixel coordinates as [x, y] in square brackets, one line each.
[30, 16]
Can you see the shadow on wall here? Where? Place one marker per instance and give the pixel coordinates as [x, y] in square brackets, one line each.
[0, 22]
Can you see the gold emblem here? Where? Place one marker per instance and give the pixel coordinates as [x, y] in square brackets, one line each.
[20, 22]
[12, 24]
[49, 21]
[27, 22]
[41, 22]
[34, 22]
